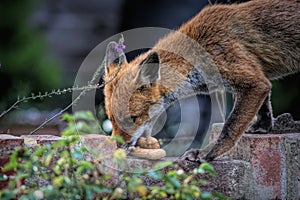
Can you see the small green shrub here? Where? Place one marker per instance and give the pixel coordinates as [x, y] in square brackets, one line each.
[67, 169]
[81, 123]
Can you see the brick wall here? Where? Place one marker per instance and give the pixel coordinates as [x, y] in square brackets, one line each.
[258, 167]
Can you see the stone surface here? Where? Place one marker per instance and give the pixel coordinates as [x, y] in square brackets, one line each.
[33, 140]
[285, 123]
[258, 167]
[9, 143]
[234, 178]
[102, 151]
[101, 143]
[275, 164]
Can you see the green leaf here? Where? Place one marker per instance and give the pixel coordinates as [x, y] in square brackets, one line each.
[206, 195]
[7, 194]
[67, 117]
[169, 190]
[13, 161]
[155, 174]
[77, 155]
[202, 182]
[58, 144]
[57, 181]
[220, 196]
[187, 196]
[198, 171]
[118, 139]
[71, 130]
[57, 169]
[48, 158]
[89, 193]
[173, 181]
[100, 189]
[83, 167]
[209, 168]
[67, 180]
[85, 164]
[85, 115]
[162, 165]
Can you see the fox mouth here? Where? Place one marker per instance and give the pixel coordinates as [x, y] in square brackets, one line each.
[143, 130]
[149, 127]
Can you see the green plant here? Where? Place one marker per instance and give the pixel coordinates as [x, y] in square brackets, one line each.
[64, 173]
[82, 122]
[180, 185]
[67, 169]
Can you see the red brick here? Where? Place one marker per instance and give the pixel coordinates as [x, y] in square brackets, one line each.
[271, 162]
[8, 144]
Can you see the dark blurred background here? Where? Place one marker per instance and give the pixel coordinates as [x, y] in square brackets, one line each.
[43, 43]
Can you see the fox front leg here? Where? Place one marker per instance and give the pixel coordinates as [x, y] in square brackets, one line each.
[248, 103]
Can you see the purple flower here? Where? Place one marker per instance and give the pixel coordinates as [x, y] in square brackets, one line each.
[119, 47]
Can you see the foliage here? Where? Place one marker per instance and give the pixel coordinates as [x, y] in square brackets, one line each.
[82, 122]
[67, 169]
[61, 167]
[180, 185]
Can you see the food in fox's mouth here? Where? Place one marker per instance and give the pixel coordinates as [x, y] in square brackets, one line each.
[148, 143]
[151, 154]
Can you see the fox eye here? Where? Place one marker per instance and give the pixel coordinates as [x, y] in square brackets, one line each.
[129, 120]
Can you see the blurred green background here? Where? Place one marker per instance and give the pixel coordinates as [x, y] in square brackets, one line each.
[25, 65]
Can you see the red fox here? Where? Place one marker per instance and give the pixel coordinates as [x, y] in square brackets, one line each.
[248, 44]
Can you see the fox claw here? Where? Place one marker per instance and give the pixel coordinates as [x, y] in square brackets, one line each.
[128, 147]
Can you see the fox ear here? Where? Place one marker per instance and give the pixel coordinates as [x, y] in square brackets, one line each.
[149, 70]
[113, 55]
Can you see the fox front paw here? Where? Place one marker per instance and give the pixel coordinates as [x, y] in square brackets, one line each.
[128, 147]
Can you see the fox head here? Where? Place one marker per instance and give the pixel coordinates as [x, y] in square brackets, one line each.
[136, 93]
[133, 95]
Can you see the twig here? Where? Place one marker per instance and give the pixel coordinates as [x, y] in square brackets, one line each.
[95, 76]
[45, 95]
